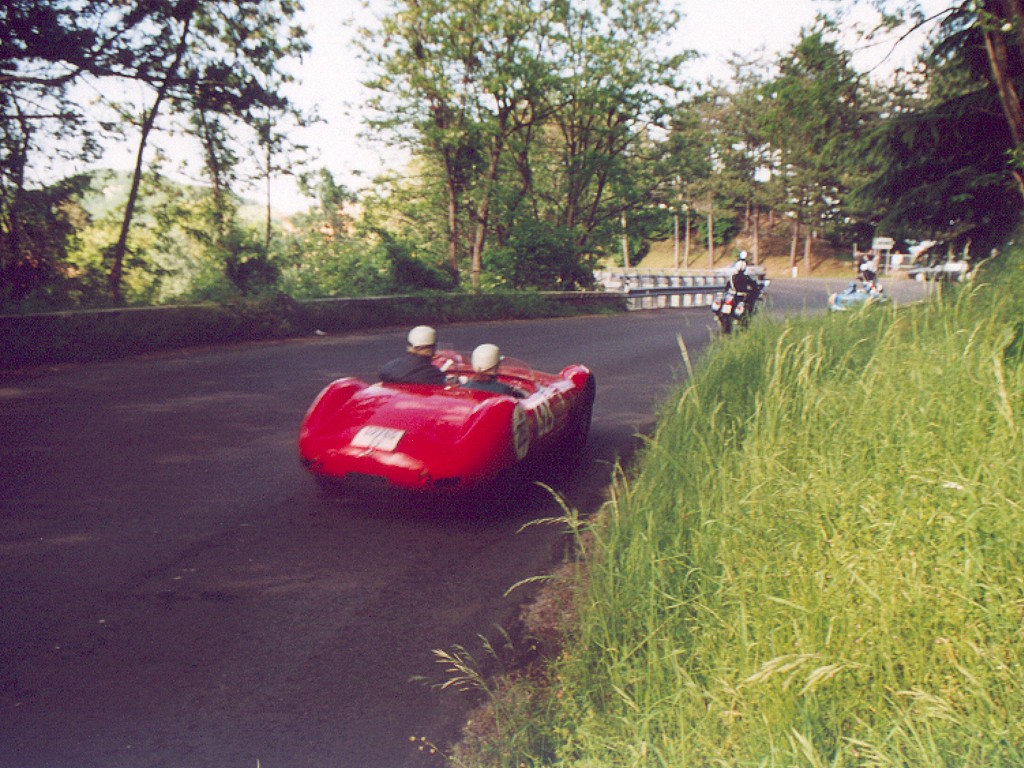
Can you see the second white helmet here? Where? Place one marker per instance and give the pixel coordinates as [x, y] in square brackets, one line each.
[486, 358]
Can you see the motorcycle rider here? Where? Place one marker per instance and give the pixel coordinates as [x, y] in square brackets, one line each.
[747, 288]
[867, 271]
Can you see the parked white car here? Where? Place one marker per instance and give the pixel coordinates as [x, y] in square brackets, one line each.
[948, 270]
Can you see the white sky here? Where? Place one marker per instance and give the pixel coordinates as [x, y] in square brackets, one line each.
[330, 76]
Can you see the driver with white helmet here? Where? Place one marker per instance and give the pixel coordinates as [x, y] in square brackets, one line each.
[415, 366]
[486, 359]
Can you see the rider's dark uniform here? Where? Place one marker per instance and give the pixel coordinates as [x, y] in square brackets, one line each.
[746, 288]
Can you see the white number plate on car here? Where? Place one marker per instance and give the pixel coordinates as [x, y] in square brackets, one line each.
[381, 438]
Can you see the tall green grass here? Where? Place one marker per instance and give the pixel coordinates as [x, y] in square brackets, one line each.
[819, 558]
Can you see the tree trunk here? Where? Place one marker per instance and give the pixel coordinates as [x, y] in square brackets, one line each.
[711, 231]
[998, 59]
[484, 204]
[216, 170]
[453, 225]
[625, 243]
[675, 240]
[119, 250]
[686, 242]
[794, 239]
[757, 235]
[266, 237]
[10, 208]
[807, 250]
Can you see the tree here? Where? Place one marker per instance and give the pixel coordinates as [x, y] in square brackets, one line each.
[45, 49]
[935, 180]
[994, 28]
[1001, 23]
[168, 77]
[816, 109]
[36, 232]
[614, 87]
[332, 214]
[427, 52]
[541, 255]
[746, 151]
[226, 60]
[209, 57]
[524, 109]
[684, 165]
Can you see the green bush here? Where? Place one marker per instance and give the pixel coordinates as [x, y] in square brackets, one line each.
[540, 256]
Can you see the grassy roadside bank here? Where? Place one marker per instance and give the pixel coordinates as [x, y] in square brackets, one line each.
[816, 560]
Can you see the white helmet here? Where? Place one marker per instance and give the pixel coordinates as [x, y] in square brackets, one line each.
[743, 255]
[486, 358]
[422, 336]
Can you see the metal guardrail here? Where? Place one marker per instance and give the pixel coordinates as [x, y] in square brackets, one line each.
[661, 289]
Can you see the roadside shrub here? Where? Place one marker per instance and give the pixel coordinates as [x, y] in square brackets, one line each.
[540, 256]
[409, 273]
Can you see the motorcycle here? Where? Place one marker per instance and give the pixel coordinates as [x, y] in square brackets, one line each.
[729, 307]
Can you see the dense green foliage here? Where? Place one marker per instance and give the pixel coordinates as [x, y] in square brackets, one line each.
[816, 560]
[523, 112]
[933, 173]
[175, 258]
[76, 74]
[544, 139]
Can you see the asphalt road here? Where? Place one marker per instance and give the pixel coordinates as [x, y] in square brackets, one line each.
[174, 592]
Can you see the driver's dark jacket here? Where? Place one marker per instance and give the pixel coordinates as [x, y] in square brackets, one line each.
[411, 369]
[492, 385]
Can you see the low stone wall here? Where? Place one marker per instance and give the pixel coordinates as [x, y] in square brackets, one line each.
[65, 337]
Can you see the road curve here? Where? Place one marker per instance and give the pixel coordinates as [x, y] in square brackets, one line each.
[175, 593]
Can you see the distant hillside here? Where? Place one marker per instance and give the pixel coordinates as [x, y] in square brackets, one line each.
[826, 261]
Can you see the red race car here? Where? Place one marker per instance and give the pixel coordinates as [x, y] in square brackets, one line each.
[444, 439]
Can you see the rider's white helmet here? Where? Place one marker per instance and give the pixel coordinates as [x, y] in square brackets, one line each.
[486, 358]
[422, 336]
[743, 255]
